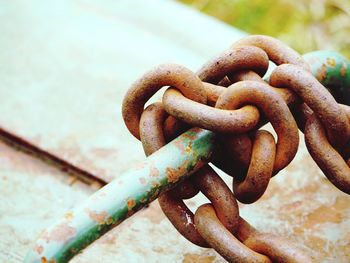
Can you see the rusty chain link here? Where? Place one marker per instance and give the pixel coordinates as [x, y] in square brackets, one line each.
[228, 96]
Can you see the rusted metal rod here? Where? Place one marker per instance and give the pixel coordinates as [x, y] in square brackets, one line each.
[139, 186]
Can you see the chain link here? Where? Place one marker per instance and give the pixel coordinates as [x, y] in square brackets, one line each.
[228, 96]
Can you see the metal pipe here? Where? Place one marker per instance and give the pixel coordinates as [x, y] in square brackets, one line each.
[142, 184]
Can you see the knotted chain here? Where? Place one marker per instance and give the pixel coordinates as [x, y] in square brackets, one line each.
[228, 96]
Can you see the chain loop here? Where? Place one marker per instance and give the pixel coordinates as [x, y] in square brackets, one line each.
[222, 240]
[277, 51]
[260, 169]
[144, 88]
[276, 248]
[317, 98]
[274, 108]
[233, 60]
[327, 158]
[230, 97]
[206, 117]
[206, 180]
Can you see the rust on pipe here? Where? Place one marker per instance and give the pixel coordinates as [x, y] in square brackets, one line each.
[206, 180]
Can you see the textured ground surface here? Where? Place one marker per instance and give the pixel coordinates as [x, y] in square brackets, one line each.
[64, 70]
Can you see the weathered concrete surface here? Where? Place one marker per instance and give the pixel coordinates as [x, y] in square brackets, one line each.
[64, 68]
[32, 196]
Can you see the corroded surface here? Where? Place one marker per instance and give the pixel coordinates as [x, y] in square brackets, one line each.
[79, 61]
[299, 204]
[122, 197]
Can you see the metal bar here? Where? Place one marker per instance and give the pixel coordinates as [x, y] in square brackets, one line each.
[139, 186]
[122, 197]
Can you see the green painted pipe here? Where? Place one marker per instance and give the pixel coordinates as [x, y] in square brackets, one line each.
[139, 186]
[333, 71]
[124, 196]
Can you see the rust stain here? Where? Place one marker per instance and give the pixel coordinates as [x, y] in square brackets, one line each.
[331, 62]
[143, 200]
[342, 203]
[328, 213]
[343, 70]
[100, 218]
[292, 206]
[69, 215]
[323, 214]
[197, 258]
[189, 148]
[44, 260]
[199, 164]
[180, 146]
[131, 204]
[109, 220]
[155, 194]
[322, 73]
[190, 136]
[155, 184]
[60, 233]
[154, 171]
[173, 174]
[39, 249]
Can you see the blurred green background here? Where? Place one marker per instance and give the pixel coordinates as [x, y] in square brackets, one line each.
[306, 25]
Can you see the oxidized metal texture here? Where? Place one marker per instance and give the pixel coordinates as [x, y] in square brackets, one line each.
[184, 191]
[260, 169]
[206, 180]
[215, 189]
[123, 197]
[327, 158]
[275, 109]
[277, 51]
[143, 89]
[233, 60]
[206, 117]
[222, 240]
[317, 97]
[333, 71]
[276, 248]
[246, 243]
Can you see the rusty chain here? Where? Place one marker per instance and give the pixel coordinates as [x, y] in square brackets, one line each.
[228, 96]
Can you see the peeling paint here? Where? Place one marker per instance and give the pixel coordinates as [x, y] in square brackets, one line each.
[61, 233]
[331, 62]
[131, 204]
[173, 174]
[99, 217]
